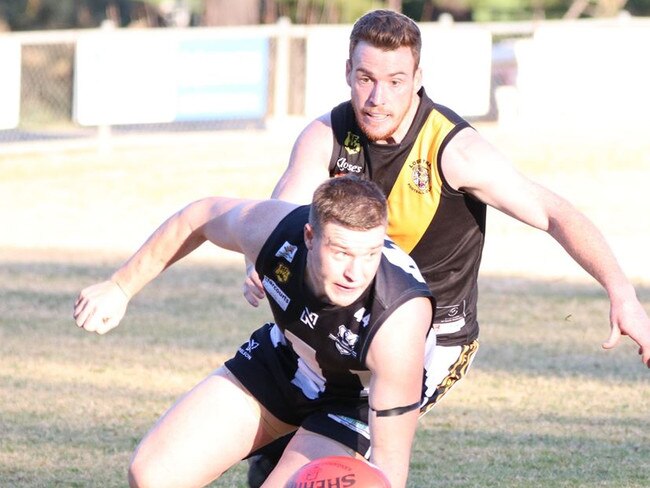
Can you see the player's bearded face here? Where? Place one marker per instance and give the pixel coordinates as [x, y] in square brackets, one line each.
[342, 262]
[384, 87]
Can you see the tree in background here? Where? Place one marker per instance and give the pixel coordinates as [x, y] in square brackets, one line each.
[22, 15]
[345, 11]
[57, 14]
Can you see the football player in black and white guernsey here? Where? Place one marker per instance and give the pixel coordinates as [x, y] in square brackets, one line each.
[343, 365]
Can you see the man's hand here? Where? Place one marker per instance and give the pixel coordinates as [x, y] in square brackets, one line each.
[253, 289]
[100, 307]
[630, 319]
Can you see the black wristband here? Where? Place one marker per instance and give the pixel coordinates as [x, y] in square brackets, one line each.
[391, 412]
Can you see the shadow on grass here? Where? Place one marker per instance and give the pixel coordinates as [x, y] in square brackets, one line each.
[81, 431]
[527, 326]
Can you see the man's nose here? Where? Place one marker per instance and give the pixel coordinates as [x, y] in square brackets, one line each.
[354, 270]
[377, 94]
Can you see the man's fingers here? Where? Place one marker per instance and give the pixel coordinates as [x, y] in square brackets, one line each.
[645, 355]
[250, 297]
[614, 337]
[253, 289]
[81, 314]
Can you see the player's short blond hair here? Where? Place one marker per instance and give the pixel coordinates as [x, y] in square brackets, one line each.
[350, 202]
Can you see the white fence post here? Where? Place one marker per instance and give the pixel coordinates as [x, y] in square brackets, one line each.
[281, 71]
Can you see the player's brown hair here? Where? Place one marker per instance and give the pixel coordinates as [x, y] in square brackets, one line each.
[350, 202]
[387, 30]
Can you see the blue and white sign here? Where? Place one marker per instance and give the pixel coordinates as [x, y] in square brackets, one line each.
[135, 77]
[222, 79]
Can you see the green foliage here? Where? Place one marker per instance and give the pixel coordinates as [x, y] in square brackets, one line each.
[21, 15]
[509, 10]
[55, 14]
[638, 7]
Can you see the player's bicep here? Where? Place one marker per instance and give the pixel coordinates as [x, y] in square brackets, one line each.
[471, 164]
[396, 355]
[242, 225]
[308, 163]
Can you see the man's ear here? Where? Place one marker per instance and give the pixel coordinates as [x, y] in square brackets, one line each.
[348, 72]
[417, 79]
[309, 236]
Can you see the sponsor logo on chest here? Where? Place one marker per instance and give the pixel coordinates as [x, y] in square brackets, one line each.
[308, 318]
[276, 293]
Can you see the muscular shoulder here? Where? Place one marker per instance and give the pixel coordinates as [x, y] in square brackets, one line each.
[314, 140]
[308, 163]
[468, 160]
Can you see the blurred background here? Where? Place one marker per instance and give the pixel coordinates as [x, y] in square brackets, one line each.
[81, 68]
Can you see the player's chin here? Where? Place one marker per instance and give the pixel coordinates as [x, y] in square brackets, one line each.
[343, 297]
[376, 128]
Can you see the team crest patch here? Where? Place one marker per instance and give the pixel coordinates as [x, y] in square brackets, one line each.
[282, 273]
[287, 251]
[420, 176]
[345, 341]
[352, 143]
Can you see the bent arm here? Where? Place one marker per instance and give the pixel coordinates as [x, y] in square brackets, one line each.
[396, 363]
[230, 223]
[471, 164]
[234, 224]
[308, 163]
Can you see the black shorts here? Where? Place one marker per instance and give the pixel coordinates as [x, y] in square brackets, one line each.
[265, 366]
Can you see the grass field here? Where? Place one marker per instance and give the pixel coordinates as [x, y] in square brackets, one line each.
[543, 405]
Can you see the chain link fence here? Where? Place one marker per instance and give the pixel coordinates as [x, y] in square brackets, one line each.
[47, 82]
[47, 89]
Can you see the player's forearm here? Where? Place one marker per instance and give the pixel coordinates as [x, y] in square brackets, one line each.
[587, 246]
[392, 438]
[173, 240]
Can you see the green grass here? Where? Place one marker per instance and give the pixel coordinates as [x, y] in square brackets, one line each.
[542, 406]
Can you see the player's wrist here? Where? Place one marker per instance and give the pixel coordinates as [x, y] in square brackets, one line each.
[122, 287]
[621, 293]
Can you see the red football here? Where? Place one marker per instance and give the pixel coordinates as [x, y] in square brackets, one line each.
[339, 471]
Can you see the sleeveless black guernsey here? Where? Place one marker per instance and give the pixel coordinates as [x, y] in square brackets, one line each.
[442, 229]
[325, 346]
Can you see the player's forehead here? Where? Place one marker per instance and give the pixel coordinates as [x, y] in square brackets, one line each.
[356, 240]
[367, 56]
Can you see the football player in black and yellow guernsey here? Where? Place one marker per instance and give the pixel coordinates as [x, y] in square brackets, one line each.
[438, 174]
[343, 363]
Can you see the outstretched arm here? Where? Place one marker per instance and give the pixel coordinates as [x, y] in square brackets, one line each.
[471, 164]
[396, 363]
[234, 224]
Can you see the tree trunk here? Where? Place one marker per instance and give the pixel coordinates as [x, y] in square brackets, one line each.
[227, 12]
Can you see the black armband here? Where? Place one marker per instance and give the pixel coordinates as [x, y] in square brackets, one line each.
[391, 412]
